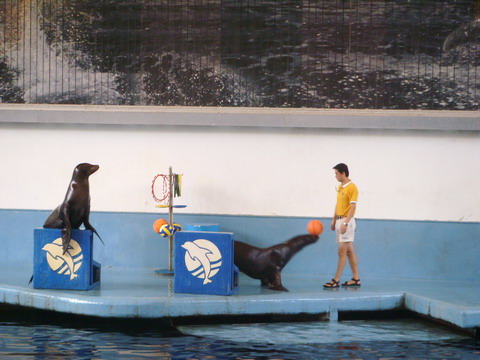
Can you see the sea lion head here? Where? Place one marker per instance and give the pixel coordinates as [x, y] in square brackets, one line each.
[310, 239]
[300, 241]
[85, 169]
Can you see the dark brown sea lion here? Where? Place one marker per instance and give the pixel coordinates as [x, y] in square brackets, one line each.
[266, 264]
[75, 209]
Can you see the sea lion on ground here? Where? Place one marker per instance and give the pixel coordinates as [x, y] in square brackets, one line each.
[75, 208]
[266, 264]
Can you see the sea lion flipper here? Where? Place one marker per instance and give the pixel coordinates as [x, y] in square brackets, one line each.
[89, 226]
[67, 227]
[66, 236]
[277, 282]
[96, 233]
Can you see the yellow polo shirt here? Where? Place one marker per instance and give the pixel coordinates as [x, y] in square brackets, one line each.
[346, 195]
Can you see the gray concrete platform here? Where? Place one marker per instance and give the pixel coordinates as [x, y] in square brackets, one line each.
[129, 293]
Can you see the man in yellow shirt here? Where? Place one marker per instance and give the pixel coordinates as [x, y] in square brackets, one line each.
[343, 223]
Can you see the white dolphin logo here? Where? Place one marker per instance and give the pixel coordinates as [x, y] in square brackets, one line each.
[57, 253]
[199, 253]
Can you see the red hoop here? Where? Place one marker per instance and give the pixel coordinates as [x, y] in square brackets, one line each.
[166, 188]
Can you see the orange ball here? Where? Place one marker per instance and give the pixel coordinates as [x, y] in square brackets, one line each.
[315, 227]
[158, 224]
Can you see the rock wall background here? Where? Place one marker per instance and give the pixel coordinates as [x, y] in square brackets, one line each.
[377, 54]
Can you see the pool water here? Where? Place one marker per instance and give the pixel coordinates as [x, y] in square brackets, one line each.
[372, 339]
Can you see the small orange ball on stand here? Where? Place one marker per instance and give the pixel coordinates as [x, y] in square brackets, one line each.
[158, 224]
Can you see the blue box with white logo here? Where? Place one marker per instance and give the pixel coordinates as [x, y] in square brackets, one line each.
[204, 263]
[74, 270]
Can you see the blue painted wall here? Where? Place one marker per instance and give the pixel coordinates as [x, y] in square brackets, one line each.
[386, 248]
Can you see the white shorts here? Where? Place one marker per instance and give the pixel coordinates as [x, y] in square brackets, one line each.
[349, 235]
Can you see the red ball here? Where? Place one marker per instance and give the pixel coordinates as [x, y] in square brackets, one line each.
[315, 227]
[158, 224]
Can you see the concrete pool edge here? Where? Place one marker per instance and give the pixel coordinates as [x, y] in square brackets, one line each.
[146, 296]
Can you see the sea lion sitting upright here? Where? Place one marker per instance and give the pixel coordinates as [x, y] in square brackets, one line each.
[75, 209]
[266, 264]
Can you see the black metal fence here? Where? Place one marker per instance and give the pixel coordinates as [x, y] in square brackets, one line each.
[376, 54]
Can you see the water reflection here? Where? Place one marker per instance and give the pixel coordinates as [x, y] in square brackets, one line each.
[325, 332]
[361, 339]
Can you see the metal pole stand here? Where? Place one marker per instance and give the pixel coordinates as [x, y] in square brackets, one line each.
[169, 271]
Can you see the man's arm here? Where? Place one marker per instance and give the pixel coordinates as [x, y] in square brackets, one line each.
[351, 213]
[334, 218]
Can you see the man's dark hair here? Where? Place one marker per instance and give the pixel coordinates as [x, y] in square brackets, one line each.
[342, 168]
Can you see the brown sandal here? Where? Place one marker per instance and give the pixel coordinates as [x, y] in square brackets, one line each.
[332, 284]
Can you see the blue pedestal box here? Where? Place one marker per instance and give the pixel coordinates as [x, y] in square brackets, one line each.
[204, 263]
[74, 270]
